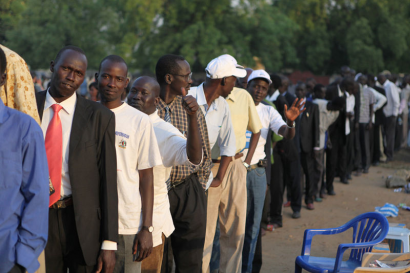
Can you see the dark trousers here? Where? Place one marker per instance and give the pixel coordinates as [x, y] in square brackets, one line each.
[307, 162]
[364, 145]
[188, 210]
[390, 131]
[63, 249]
[376, 144]
[350, 150]
[17, 269]
[284, 170]
[335, 158]
[317, 170]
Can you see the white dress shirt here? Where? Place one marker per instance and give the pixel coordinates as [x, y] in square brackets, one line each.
[172, 147]
[273, 97]
[350, 103]
[66, 116]
[380, 101]
[218, 121]
[393, 99]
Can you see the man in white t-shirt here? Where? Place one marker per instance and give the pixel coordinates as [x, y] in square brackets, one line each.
[258, 86]
[175, 150]
[137, 153]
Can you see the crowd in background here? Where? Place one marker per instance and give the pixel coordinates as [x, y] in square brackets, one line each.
[149, 174]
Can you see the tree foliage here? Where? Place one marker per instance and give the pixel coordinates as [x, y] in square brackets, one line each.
[316, 35]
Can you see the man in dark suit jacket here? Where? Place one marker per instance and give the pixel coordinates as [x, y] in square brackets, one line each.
[336, 156]
[83, 223]
[286, 167]
[309, 138]
[380, 119]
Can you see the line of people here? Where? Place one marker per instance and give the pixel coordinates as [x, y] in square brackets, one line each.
[176, 176]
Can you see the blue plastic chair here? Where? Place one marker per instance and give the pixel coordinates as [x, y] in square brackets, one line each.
[369, 229]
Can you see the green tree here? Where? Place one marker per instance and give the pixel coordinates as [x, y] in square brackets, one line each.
[362, 53]
[10, 15]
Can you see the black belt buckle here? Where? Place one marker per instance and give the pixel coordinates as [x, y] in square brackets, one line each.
[263, 163]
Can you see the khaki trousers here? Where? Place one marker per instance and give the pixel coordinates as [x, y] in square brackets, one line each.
[153, 263]
[42, 261]
[228, 201]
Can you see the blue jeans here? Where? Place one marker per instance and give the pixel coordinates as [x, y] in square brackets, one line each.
[256, 189]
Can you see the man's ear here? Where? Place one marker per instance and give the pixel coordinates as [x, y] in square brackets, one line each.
[96, 77]
[168, 78]
[3, 79]
[156, 102]
[52, 66]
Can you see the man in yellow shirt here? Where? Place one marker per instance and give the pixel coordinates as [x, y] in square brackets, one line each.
[244, 117]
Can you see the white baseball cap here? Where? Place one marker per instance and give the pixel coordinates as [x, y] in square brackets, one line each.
[224, 66]
[259, 74]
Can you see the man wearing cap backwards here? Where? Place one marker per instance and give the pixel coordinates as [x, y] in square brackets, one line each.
[258, 86]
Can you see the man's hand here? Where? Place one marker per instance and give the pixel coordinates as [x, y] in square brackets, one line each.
[106, 261]
[216, 182]
[189, 103]
[144, 239]
[294, 111]
[369, 126]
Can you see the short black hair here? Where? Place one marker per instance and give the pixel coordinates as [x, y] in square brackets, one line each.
[347, 81]
[114, 59]
[318, 87]
[167, 64]
[69, 47]
[3, 62]
[276, 80]
[93, 84]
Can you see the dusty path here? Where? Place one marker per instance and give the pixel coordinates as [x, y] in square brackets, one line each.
[281, 246]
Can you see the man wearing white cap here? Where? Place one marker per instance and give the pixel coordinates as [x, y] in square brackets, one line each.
[227, 190]
[258, 86]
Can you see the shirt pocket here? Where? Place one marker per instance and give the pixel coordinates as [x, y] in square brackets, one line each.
[11, 169]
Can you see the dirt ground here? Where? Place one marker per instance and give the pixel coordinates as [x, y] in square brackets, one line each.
[363, 194]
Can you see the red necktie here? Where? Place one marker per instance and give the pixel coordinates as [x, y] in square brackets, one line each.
[54, 150]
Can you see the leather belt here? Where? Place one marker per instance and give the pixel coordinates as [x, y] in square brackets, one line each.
[62, 204]
[254, 166]
[238, 155]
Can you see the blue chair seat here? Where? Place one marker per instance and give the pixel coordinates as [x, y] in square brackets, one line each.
[325, 265]
[369, 229]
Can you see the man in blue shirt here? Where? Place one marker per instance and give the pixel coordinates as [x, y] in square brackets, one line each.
[23, 188]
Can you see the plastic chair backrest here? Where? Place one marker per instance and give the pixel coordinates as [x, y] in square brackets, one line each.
[366, 227]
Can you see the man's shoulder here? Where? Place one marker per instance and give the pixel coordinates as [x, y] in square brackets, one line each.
[24, 122]
[95, 106]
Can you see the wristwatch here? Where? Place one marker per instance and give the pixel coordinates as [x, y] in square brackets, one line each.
[293, 126]
[245, 164]
[150, 228]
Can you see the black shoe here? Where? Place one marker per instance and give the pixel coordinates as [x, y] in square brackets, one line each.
[349, 176]
[344, 181]
[296, 214]
[366, 171]
[332, 192]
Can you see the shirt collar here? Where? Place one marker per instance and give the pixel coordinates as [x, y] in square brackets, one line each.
[2, 111]
[201, 99]
[231, 95]
[154, 116]
[386, 83]
[68, 104]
